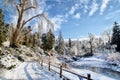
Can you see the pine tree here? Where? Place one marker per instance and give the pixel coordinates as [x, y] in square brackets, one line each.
[3, 28]
[48, 41]
[116, 36]
[35, 39]
[60, 44]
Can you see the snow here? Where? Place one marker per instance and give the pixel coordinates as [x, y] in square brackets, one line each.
[92, 58]
[98, 65]
[6, 43]
[30, 71]
[94, 76]
[33, 71]
[66, 74]
[95, 62]
[9, 60]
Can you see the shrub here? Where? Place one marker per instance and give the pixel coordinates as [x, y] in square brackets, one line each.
[30, 55]
[88, 55]
[115, 57]
[19, 58]
[10, 67]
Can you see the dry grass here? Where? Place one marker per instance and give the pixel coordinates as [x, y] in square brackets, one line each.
[16, 36]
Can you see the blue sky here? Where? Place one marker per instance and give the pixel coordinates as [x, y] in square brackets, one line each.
[76, 18]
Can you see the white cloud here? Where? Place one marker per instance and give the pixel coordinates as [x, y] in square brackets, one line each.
[94, 7]
[113, 15]
[86, 8]
[103, 6]
[57, 21]
[77, 16]
[72, 10]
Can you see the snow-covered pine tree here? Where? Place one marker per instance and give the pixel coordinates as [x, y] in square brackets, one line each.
[48, 41]
[116, 36]
[60, 47]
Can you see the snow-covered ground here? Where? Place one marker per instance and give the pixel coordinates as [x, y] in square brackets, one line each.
[96, 62]
[98, 65]
[33, 71]
[30, 71]
[94, 76]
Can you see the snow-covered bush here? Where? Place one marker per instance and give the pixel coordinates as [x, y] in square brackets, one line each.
[114, 57]
[9, 61]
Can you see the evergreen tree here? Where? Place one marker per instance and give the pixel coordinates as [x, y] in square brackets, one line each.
[60, 44]
[3, 28]
[44, 42]
[48, 41]
[116, 36]
[27, 36]
[35, 39]
[70, 43]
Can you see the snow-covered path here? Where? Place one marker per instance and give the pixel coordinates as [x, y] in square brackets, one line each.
[33, 71]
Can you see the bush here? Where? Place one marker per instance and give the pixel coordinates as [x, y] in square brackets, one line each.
[30, 55]
[12, 66]
[87, 55]
[114, 57]
[19, 58]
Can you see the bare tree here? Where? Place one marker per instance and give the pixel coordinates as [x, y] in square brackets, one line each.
[107, 33]
[91, 37]
[23, 7]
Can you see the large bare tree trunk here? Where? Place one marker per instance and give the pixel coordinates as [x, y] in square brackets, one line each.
[20, 23]
[22, 7]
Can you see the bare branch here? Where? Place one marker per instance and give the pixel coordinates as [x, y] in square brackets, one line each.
[18, 10]
[29, 8]
[30, 19]
[28, 32]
